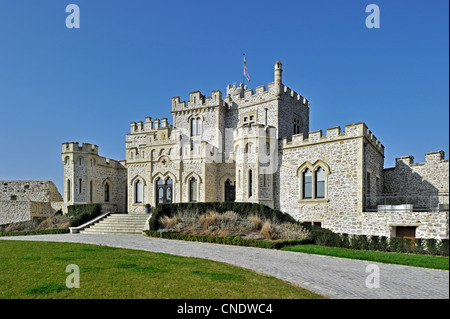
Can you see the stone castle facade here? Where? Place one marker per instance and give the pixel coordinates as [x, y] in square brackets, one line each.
[255, 146]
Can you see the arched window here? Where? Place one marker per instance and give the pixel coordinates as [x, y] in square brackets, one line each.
[307, 184]
[138, 191]
[106, 192]
[66, 160]
[193, 190]
[320, 183]
[250, 183]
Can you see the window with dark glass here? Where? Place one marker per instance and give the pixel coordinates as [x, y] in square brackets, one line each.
[320, 183]
[307, 184]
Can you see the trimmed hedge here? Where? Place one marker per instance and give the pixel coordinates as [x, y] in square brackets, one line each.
[232, 240]
[36, 232]
[242, 209]
[326, 237]
[80, 214]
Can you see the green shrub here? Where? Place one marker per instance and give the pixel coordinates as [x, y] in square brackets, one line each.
[408, 245]
[80, 214]
[443, 247]
[384, 243]
[419, 246]
[374, 243]
[359, 242]
[345, 241]
[431, 246]
[36, 232]
[396, 245]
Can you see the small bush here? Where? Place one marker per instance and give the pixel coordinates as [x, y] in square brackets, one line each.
[359, 242]
[419, 246]
[208, 219]
[396, 245]
[291, 231]
[228, 219]
[267, 231]
[169, 222]
[345, 241]
[374, 243]
[384, 244]
[80, 214]
[431, 246]
[443, 247]
[256, 222]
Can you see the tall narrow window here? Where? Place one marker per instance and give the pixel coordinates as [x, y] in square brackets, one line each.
[80, 185]
[106, 192]
[199, 126]
[307, 184]
[90, 191]
[250, 183]
[193, 128]
[138, 191]
[193, 190]
[320, 183]
[68, 190]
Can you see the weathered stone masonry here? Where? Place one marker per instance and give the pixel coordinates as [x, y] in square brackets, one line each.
[255, 146]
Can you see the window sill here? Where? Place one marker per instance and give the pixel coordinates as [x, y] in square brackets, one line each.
[313, 200]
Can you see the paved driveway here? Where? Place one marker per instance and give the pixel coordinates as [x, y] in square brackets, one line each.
[328, 276]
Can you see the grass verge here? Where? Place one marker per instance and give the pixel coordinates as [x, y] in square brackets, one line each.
[37, 270]
[427, 261]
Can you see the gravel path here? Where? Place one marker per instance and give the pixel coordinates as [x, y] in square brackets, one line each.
[329, 276]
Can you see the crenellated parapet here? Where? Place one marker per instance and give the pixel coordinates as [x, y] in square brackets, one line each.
[71, 147]
[334, 134]
[197, 100]
[242, 96]
[149, 125]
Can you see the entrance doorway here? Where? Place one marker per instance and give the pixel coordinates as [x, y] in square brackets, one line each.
[230, 191]
[164, 191]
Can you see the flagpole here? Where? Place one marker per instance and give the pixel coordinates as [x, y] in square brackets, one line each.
[243, 71]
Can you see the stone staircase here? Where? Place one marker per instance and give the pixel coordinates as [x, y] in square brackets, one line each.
[118, 224]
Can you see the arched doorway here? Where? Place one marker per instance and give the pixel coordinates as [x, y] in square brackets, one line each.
[230, 191]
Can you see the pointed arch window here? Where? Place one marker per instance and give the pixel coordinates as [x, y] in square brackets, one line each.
[193, 190]
[307, 184]
[138, 192]
[196, 126]
[250, 183]
[320, 183]
[106, 192]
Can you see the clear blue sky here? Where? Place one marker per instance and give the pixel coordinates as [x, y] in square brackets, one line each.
[129, 58]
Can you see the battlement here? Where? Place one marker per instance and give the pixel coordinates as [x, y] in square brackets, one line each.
[334, 134]
[149, 125]
[243, 96]
[196, 100]
[432, 157]
[75, 147]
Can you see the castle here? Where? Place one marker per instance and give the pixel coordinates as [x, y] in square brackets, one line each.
[255, 146]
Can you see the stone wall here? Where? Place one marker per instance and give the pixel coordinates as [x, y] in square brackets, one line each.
[24, 200]
[432, 176]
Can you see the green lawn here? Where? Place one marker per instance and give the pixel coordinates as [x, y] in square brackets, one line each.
[427, 261]
[37, 270]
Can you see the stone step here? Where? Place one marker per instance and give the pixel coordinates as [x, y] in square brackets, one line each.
[119, 223]
[93, 231]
